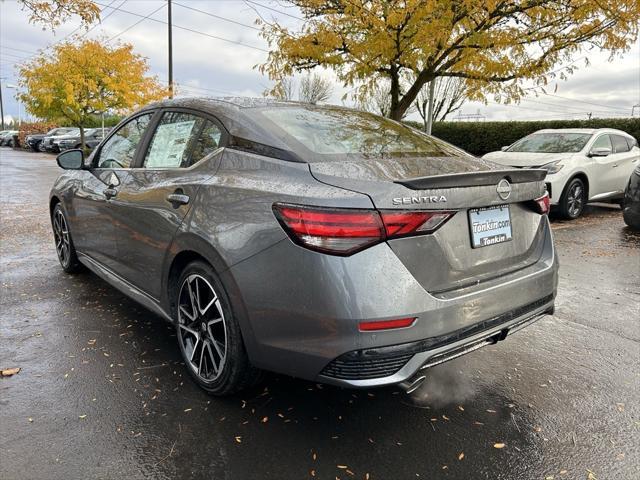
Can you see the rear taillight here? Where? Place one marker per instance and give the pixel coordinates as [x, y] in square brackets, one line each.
[343, 231]
[542, 204]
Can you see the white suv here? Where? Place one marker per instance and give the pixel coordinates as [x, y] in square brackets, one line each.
[583, 164]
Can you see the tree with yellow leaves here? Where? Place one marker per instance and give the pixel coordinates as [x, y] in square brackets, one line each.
[76, 81]
[52, 13]
[494, 45]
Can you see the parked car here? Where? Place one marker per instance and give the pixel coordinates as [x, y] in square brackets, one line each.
[319, 242]
[7, 139]
[583, 165]
[49, 142]
[91, 135]
[92, 143]
[35, 139]
[631, 204]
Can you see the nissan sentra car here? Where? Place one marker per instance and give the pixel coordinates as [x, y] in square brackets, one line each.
[583, 164]
[319, 242]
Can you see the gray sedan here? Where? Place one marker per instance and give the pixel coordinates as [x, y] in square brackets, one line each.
[319, 242]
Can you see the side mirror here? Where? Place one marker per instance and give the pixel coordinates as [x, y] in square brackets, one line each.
[71, 159]
[504, 149]
[600, 152]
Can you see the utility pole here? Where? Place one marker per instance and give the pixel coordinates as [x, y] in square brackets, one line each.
[432, 87]
[1, 107]
[170, 50]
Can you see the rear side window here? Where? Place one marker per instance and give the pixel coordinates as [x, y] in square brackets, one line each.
[620, 144]
[325, 134]
[180, 140]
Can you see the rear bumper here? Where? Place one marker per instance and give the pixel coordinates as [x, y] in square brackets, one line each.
[362, 368]
[300, 312]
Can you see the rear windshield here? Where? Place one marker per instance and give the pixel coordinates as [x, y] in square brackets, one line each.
[551, 143]
[325, 134]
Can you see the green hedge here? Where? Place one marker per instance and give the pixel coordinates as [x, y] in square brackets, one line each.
[483, 137]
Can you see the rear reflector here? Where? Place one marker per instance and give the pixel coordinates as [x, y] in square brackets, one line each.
[543, 204]
[343, 231]
[386, 324]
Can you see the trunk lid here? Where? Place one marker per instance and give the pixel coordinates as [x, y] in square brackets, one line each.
[445, 260]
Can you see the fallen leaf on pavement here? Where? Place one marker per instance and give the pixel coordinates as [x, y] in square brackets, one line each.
[498, 445]
[7, 372]
[82, 416]
[461, 456]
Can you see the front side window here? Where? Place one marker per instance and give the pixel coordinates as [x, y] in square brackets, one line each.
[180, 140]
[603, 141]
[620, 144]
[551, 143]
[120, 150]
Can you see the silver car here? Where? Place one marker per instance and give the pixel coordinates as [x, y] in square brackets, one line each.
[318, 242]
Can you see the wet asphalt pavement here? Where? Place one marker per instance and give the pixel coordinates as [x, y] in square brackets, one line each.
[102, 392]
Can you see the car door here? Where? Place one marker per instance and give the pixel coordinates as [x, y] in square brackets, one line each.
[154, 198]
[626, 161]
[603, 169]
[94, 199]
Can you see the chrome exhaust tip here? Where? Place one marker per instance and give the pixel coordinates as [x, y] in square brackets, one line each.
[412, 384]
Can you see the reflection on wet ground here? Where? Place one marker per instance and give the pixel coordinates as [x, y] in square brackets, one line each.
[102, 392]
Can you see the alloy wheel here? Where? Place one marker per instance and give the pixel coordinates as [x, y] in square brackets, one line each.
[575, 200]
[202, 329]
[61, 237]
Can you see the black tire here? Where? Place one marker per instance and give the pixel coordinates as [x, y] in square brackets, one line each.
[573, 199]
[63, 242]
[201, 351]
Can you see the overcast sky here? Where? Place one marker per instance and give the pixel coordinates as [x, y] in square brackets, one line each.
[208, 66]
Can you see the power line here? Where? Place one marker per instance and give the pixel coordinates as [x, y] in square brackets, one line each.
[115, 9]
[559, 105]
[273, 9]
[19, 50]
[218, 17]
[14, 56]
[195, 31]
[76, 29]
[582, 101]
[137, 23]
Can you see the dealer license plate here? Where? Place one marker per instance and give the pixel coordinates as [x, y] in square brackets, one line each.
[490, 225]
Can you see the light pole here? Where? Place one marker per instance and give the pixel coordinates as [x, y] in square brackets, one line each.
[432, 87]
[1, 107]
[170, 39]
[19, 103]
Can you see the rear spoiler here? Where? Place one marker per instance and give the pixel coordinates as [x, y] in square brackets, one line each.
[474, 179]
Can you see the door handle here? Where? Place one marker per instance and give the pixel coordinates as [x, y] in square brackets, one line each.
[177, 199]
[110, 193]
[615, 165]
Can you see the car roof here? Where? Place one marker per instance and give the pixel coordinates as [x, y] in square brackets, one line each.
[236, 114]
[589, 131]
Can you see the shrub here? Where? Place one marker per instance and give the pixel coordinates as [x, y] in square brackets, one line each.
[479, 138]
[31, 129]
